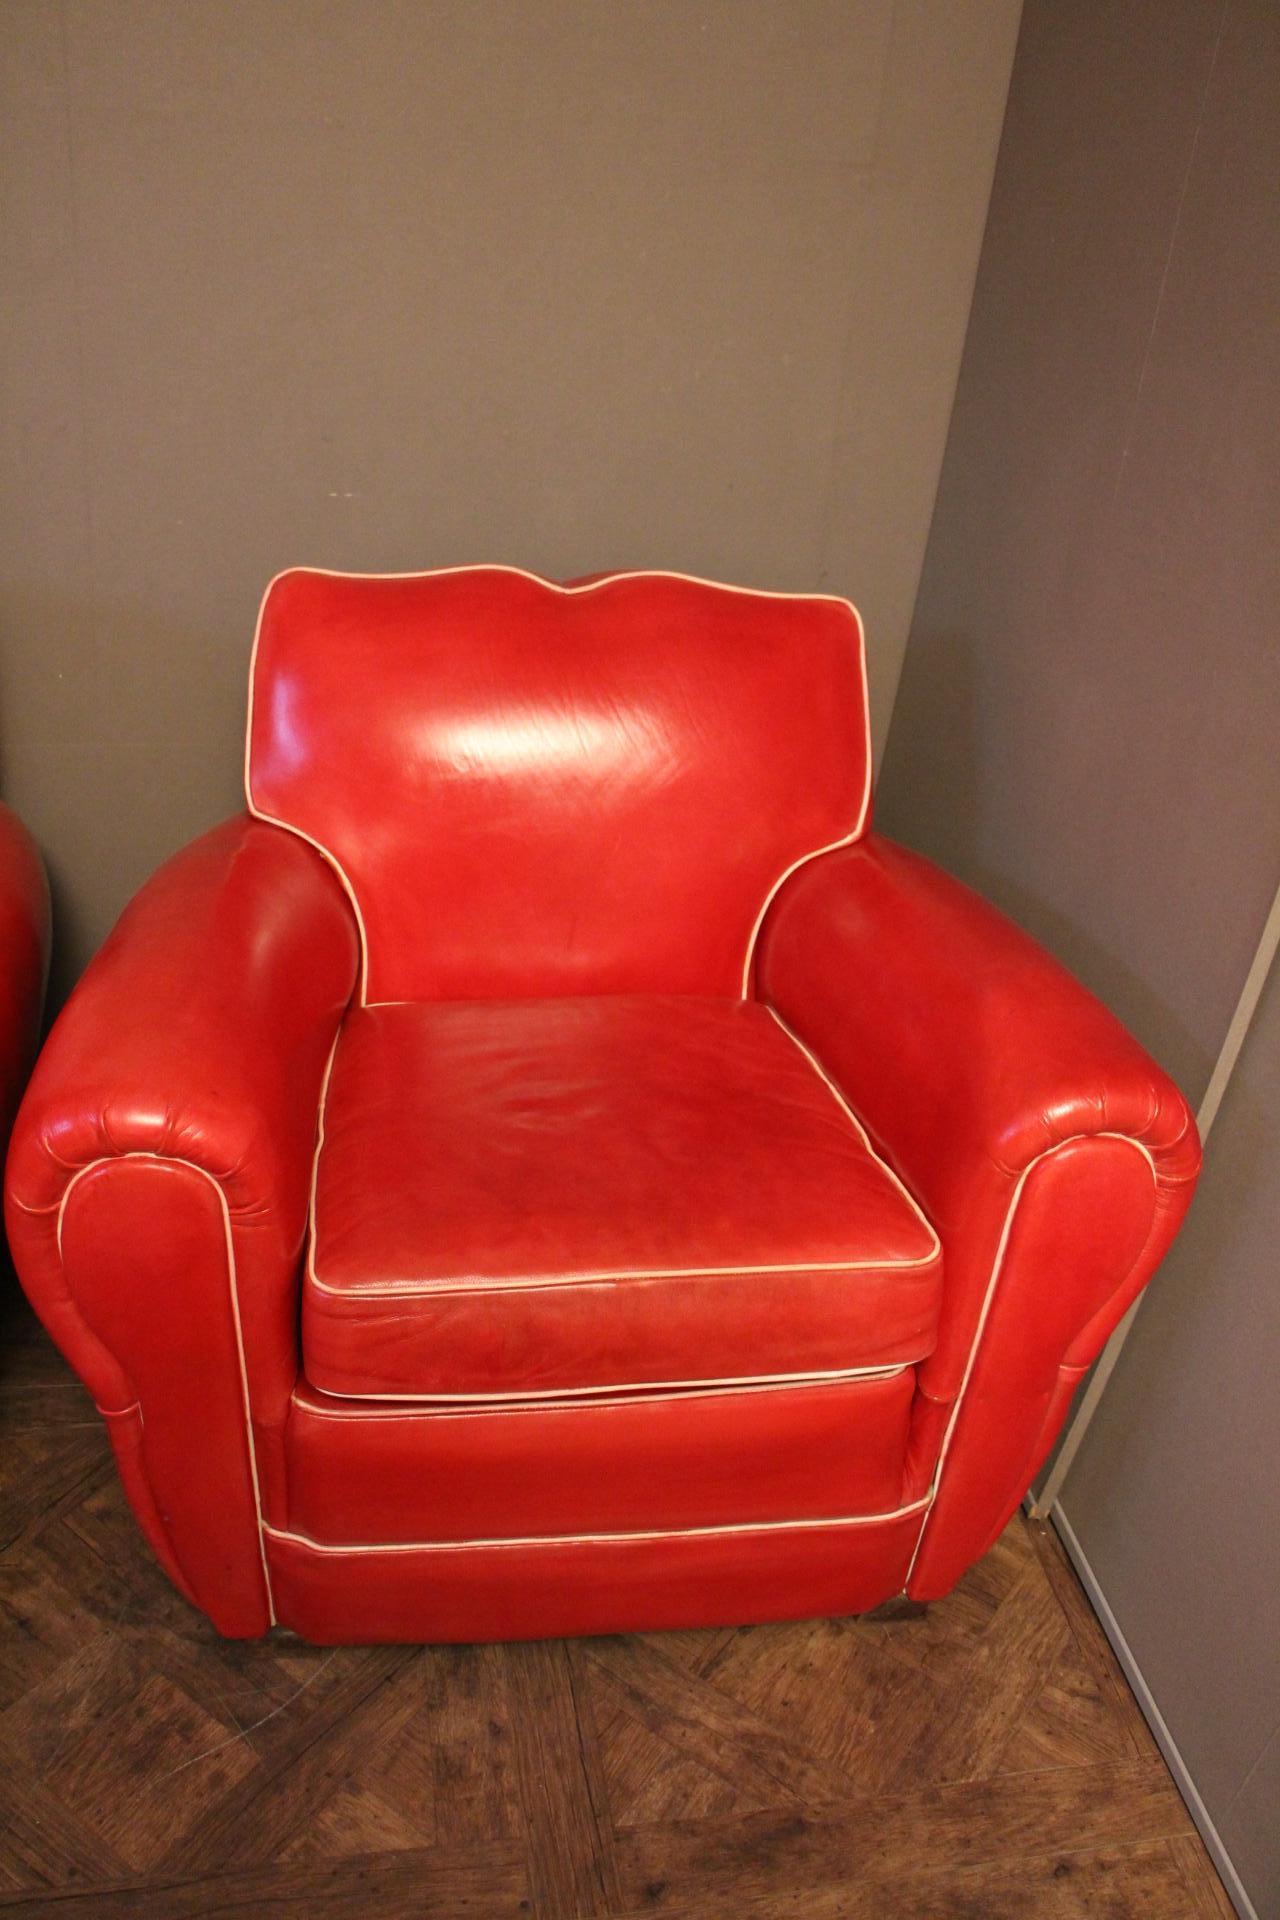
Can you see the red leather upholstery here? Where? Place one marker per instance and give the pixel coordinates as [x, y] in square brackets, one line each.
[589, 1583]
[569, 829]
[371, 1473]
[24, 959]
[540, 790]
[157, 1188]
[1053, 1156]
[539, 1196]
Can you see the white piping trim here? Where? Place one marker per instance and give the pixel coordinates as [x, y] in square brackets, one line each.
[315, 1157]
[439, 1290]
[287, 826]
[989, 1296]
[834, 845]
[535, 1282]
[644, 1392]
[233, 1290]
[595, 1539]
[865, 1138]
[555, 586]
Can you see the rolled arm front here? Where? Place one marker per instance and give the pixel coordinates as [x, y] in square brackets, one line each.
[158, 1181]
[1054, 1157]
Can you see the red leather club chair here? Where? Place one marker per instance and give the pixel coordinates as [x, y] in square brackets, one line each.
[548, 1167]
[24, 959]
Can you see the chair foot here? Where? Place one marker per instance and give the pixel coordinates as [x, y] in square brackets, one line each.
[899, 1608]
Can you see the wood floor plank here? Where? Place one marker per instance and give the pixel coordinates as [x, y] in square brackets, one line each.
[43, 1841]
[1206, 1896]
[697, 1647]
[1131, 1883]
[711, 1726]
[1007, 1671]
[122, 1586]
[42, 1624]
[310, 1757]
[437, 1884]
[46, 1469]
[330, 1780]
[570, 1862]
[37, 1388]
[594, 1772]
[836, 1686]
[1074, 1722]
[983, 1761]
[1087, 1631]
[43, 1398]
[241, 1682]
[951, 1827]
[109, 1736]
[650, 1781]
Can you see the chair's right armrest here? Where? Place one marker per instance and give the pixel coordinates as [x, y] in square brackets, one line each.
[158, 1181]
[1052, 1155]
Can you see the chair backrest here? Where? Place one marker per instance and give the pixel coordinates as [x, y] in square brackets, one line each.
[530, 789]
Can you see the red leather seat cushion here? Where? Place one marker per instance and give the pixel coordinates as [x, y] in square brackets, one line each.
[551, 1196]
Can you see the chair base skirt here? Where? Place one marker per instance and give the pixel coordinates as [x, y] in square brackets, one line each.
[626, 1583]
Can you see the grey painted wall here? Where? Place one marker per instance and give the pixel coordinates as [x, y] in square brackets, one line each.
[369, 284]
[1086, 725]
[1088, 729]
[1173, 1493]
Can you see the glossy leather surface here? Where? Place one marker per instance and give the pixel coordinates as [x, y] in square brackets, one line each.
[557, 819]
[156, 1197]
[634, 1583]
[1054, 1157]
[557, 1195]
[374, 1474]
[540, 791]
[24, 959]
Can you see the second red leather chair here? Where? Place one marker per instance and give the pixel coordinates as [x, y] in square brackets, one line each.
[24, 960]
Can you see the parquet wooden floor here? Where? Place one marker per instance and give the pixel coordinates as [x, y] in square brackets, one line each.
[986, 1761]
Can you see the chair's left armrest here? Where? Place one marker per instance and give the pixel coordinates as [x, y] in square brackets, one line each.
[1053, 1156]
[158, 1180]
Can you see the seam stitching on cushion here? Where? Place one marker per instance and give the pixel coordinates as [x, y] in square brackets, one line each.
[590, 1539]
[553, 586]
[412, 1289]
[315, 1160]
[997, 1268]
[625, 1394]
[865, 1138]
[233, 1292]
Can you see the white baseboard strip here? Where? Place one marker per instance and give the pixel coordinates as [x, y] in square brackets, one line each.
[1155, 1719]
